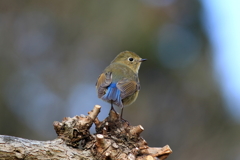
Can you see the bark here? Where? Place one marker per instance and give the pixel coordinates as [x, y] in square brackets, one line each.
[114, 139]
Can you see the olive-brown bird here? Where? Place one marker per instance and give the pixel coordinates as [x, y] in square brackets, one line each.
[119, 83]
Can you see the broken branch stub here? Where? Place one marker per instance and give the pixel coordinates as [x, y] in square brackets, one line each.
[114, 138]
[73, 130]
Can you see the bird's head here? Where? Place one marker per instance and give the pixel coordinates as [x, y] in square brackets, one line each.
[130, 59]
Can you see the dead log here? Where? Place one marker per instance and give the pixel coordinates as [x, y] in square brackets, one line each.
[114, 139]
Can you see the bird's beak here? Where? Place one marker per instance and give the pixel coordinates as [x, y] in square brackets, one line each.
[142, 60]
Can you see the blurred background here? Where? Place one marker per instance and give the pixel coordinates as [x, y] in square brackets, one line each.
[52, 52]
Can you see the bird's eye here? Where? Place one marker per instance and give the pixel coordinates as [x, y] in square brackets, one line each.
[130, 59]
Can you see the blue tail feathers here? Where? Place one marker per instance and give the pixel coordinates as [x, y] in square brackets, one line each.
[113, 94]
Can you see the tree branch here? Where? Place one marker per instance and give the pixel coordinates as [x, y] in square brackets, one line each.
[114, 139]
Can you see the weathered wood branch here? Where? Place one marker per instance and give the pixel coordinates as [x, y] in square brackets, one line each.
[19, 148]
[114, 139]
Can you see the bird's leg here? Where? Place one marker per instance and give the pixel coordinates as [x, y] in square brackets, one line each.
[112, 108]
[121, 113]
[112, 105]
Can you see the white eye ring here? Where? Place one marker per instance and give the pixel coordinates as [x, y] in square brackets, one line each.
[130, 59]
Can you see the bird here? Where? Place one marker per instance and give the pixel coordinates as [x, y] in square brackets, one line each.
[119, 84]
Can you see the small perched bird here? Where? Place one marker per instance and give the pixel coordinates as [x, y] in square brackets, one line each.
[119, 83]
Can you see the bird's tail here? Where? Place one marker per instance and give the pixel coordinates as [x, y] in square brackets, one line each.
[113, 94]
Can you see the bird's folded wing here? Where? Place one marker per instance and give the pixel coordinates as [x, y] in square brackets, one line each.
[127, 87]
[104, 80]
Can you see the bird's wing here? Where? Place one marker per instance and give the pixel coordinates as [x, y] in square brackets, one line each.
[127, 87]
[104, 80]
